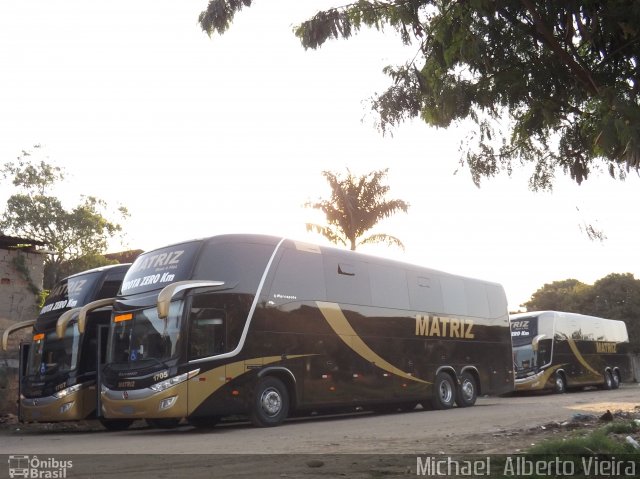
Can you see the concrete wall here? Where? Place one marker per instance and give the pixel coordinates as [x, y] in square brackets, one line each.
[17, 303]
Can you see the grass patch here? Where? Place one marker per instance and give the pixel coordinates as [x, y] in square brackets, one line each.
[600, 441]
[622, 427]
[603, 451]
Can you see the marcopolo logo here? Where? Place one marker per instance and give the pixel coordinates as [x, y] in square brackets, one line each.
[40, 468]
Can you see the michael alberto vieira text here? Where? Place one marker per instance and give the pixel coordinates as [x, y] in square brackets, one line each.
[523, 466]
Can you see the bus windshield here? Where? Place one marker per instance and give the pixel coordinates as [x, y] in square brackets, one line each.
[71, 292]
[523, 331]
[49, 354]
[140, 338]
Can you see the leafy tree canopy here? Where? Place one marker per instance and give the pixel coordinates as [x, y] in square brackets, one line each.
[566, 295]
[549, 83]
[74, 236]
[355, 206]
[616, 296]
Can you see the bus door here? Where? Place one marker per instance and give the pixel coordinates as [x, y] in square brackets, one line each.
[207, 338]
[101, 355]
[22, 372]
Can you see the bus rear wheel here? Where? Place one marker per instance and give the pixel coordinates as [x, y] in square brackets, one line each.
[615, 376]
[270, 405]
[467, 391]
[444, 392]
[608, 380]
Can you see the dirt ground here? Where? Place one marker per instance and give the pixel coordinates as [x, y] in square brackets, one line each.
[320, 459]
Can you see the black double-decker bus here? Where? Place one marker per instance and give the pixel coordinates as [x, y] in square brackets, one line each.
[58, 370]
[554, 350]
[264, 327]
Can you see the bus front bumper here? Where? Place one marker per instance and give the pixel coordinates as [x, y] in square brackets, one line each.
[70, 404]
[536, 382]
[145, 403]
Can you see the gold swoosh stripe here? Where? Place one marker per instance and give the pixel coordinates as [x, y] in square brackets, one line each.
[542, 380]
[340, 324]
[215, 378]
[579, 357]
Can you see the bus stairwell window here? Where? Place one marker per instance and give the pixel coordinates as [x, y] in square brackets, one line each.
[346, 269]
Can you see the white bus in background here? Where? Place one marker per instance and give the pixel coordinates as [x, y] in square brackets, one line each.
[555, 351]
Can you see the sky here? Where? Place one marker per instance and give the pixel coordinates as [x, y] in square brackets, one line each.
[200, 136]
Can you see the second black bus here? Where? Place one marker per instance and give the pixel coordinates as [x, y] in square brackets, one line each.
[265, 326]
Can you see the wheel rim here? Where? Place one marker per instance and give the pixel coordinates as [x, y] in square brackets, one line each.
[609, 380]
[446, 392]
[271, 402]
[467, 390]
[559, 383]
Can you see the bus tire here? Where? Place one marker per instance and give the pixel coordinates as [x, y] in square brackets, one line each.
[615, 376]
[467, 391]
[116, 424]
[559, 383]
[270, 405]
[163, 423]
[444, 392]
[608, 381]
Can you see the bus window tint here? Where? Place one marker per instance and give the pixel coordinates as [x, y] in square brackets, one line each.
[289, 285]
[110, 286]
[216, 322]
[50, 355]
[388, 287]
[237, 264]
[208, 332]
[343, 288]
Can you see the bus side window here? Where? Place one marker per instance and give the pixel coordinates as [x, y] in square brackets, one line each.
[207, 332]
[544, 352]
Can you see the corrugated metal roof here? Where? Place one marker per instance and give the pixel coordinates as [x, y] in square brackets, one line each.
[10, 242]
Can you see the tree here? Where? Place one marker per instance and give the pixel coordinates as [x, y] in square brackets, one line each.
[547, 83]
[356, 205]
[566, 295]
[616, 296]
[76, 236]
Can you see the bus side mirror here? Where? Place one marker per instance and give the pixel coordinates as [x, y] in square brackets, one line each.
[164, 298]
[13, 328]
[536, 340]
[87, 308]
[63, 321]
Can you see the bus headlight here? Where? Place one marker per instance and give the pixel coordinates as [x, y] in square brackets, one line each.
[166, 384]
[67, 391]
[66, 406]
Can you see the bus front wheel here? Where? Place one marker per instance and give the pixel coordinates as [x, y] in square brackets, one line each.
[444, 392]
[559, 384]
[608, 380]
[270, 403]
[467, 391]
